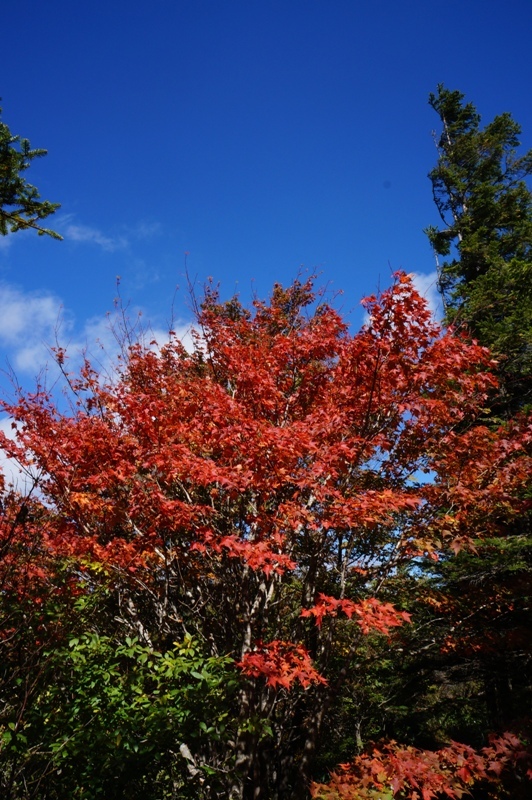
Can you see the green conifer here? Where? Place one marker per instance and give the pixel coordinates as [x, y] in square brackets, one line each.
[20, 203]
[480, 190]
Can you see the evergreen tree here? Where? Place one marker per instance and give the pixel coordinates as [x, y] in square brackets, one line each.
[480, 190]
[20, 203]
[479, 187]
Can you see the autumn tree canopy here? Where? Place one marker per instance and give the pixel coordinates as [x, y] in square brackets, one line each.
[199, 592]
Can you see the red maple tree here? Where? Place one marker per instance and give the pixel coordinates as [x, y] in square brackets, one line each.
[260, 491]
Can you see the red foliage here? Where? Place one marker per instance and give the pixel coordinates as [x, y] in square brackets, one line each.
[282, 444]
[412, 774]
[371, 614]
[282, 410]
[282, 664]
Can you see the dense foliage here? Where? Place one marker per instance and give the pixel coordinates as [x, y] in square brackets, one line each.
[218, 584]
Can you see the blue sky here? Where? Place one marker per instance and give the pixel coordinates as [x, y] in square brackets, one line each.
[258, 137]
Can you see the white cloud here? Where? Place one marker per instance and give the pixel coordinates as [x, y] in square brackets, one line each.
[33, 322]
[427, 286]
[104, 339]
[28, 322]
[84, 233]
[20, 311]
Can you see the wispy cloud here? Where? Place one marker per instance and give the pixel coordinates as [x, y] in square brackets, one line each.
[74, 231]
[84, 233]
[147, 230]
